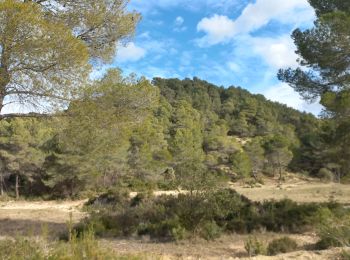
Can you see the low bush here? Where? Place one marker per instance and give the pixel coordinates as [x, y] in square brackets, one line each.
[207, 214]
[210, 230]
[334, 231]
[325, 175]
[281, 245]
[254, 247]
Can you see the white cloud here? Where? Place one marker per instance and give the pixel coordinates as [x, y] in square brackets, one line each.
[179, 21]
[218, 29]
[234, 67]
[130, 52]
[221, 29]
[178, 24]
[276, 52]
[284, 94]
[259, 14]
[145, 35]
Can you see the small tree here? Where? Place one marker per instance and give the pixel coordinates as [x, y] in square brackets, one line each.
[255, 152]
[241, 164]
[94, 141]
[278, 154]
[20, 151]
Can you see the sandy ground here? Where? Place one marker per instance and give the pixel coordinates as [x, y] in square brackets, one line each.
[33, 218]
[227, 247]
[301, 191]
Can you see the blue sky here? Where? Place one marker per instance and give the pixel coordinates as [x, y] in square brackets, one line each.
[226, 42]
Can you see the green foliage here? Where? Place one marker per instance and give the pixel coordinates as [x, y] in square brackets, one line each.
[241, 164]
[206, 214]
[334, 231]
[30, 30]
[325, 175]
[125, 132]
[254, 247]
[281, 245]
[323, 74]
[210, 230]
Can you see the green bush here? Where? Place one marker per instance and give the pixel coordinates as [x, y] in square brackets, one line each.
[254, 247]
[325, 175]
[179, 233]
[281, 245]
[334, 232]
[210, 230]
[201, 213]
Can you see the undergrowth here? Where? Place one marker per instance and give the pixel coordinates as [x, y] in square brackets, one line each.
[204, 214]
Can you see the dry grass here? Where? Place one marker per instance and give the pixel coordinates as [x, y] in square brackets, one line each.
[227, 247]
[298, 190]
[50, 211]
[31, 218]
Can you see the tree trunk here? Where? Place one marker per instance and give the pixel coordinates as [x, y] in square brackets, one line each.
[280, 173]
[1, 183]
[17, 186]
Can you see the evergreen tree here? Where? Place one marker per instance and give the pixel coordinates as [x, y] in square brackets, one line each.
[324, 73]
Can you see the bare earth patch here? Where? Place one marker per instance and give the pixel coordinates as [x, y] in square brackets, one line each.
[31, 218]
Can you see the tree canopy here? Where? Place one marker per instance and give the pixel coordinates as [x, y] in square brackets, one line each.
[46, 47]
[323, 74]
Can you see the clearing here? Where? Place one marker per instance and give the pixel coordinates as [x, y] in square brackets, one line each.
[30, 218]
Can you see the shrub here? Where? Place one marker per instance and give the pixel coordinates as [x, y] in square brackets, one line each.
[210, 230]
[281, 245]
[20, 248]
[113, 197]
[84, 246]
[200, 213]
[254, 247]
[334, 232]
[325, 175]
[179, 233]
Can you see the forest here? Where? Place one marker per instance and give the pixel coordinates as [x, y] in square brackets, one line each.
[103, 139]
[168, 126]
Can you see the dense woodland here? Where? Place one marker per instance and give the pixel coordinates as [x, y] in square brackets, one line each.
[177, 125]
[134, 133]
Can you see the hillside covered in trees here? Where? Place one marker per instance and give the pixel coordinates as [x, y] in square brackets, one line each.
[167, 128]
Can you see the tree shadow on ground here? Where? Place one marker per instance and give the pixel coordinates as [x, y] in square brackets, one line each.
[23, 227]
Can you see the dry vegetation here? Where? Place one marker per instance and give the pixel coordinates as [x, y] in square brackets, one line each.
[28, 218]
[298, 189]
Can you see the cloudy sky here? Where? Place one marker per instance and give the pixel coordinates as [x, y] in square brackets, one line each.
[226, 42]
